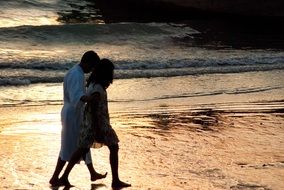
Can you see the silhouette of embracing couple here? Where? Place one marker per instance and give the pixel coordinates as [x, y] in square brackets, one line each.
[85, 120]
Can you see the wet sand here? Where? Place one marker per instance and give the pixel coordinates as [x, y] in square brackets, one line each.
[170, 148]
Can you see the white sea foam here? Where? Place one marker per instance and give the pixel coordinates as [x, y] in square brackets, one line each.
[44, 53]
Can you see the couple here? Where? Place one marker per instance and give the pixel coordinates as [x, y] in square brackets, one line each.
[80, 132]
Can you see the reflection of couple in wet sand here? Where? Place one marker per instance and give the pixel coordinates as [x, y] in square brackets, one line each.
[85, 127]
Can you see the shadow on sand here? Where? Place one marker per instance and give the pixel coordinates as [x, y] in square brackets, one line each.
[94, 186]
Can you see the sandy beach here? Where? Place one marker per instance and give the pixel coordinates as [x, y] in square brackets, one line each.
[166, 148]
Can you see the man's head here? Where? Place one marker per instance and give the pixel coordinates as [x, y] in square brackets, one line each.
[89, 60]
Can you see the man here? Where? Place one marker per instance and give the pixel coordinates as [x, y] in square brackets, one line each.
[72, 114]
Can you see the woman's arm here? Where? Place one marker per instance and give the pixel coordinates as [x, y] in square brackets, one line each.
[94, 97]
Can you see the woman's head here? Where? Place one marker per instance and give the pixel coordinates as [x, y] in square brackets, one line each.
[103, 73]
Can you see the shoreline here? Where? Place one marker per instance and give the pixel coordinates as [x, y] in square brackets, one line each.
[173, 147]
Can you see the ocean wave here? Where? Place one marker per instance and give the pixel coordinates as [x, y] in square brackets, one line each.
[155, 63]
[43, 54]
[171, 72]
[90, 33]
[253, 90]
[14, 82]
[31, 103]
[42, 65]
[26, 77]
[209, 94]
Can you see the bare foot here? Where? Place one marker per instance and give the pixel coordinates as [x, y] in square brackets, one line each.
[54, 182]
[64, 182]
[97, 176]
[119, 184]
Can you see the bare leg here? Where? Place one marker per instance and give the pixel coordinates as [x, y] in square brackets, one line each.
[113, 158]
[59, 166]
[95, 175]
[74, 159]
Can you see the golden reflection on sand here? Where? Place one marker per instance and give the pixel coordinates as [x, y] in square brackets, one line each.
[31, 119]
[188, 149]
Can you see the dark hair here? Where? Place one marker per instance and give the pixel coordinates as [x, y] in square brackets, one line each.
[102, 74]
[90, 57]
